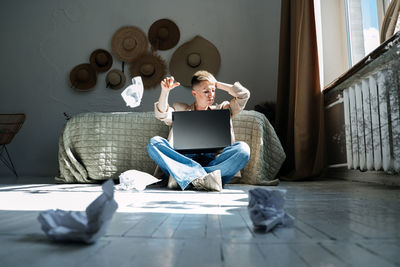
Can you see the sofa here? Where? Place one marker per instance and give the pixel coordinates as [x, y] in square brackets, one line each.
[98, 146]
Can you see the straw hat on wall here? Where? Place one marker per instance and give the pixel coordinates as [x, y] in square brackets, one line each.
[128, 43]
[196, 54]
[151, 67]
[163, 34]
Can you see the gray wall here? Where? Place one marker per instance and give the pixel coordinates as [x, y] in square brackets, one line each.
[41, 41]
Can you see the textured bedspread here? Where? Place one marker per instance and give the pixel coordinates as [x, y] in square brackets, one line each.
[99, 146]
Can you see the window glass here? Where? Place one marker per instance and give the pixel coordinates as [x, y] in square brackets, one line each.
[362, 28]
[370, 25]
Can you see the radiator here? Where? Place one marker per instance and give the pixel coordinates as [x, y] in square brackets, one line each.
[372, 121]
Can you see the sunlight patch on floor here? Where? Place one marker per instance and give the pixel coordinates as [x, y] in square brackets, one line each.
[78, 197]
[181, 202]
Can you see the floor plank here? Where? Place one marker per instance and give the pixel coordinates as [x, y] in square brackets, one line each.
[355, 255]
[168, 228]
[147, 225]
[202, 252]
[233, 226]
[242, 254]
[386, 249]
[281, 255]
[315, 255]
[192, 226]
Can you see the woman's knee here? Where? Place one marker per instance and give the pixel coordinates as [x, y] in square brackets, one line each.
[243, 149]
[154, 141]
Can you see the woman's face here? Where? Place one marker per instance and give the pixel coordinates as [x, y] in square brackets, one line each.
[204, 93]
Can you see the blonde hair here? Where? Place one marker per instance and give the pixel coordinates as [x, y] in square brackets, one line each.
[202, 75]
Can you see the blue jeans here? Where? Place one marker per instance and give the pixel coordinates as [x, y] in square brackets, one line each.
[185, 168]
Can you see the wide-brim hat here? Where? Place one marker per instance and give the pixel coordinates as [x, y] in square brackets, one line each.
[128, 43]
[101, 60]
[151, 67]
[115, 79]
[196, 54]
[163, 34]
[83, 77]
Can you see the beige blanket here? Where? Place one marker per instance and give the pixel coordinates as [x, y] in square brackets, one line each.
[99, 146]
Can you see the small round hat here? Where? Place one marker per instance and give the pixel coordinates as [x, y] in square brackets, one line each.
[115, 79]
[83, 77]
[101, 60]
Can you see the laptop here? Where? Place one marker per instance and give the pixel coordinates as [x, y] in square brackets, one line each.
[201, 131]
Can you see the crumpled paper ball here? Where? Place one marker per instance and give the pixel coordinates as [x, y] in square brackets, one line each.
[61, 225]
[133, 94]
[134, 179]
[266, 208]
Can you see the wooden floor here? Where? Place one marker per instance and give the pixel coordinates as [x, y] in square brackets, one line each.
[337, 223]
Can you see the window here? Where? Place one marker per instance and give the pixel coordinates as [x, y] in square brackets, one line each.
[347, 30]
[363, 23]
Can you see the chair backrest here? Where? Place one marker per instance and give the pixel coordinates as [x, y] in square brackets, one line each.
[9, 126]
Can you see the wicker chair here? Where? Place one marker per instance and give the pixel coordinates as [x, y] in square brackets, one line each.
[9, 126]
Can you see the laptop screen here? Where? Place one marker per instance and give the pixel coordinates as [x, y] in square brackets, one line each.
[201, 131]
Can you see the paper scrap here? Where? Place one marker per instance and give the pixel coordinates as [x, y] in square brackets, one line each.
[133, 94]
[266, 208]
[88, 227]
[134, 179]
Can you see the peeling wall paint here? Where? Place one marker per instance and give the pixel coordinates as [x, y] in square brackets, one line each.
[43, 40]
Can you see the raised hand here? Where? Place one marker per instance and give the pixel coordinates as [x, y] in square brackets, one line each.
[168, 84]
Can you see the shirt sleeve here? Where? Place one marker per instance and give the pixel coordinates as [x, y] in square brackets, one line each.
[240, 97]
[164, 116]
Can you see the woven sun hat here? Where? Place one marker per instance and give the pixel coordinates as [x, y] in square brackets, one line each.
[151, 67]
[196, 54]
[101, 60]
[83, 77]
[115, 79]
[128, 43]
[163, 34]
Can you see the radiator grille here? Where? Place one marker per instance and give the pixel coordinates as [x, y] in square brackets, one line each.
[372, 119]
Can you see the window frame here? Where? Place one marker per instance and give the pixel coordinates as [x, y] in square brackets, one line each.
[329, 71]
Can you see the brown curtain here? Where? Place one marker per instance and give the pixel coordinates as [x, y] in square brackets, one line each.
[299, 112]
